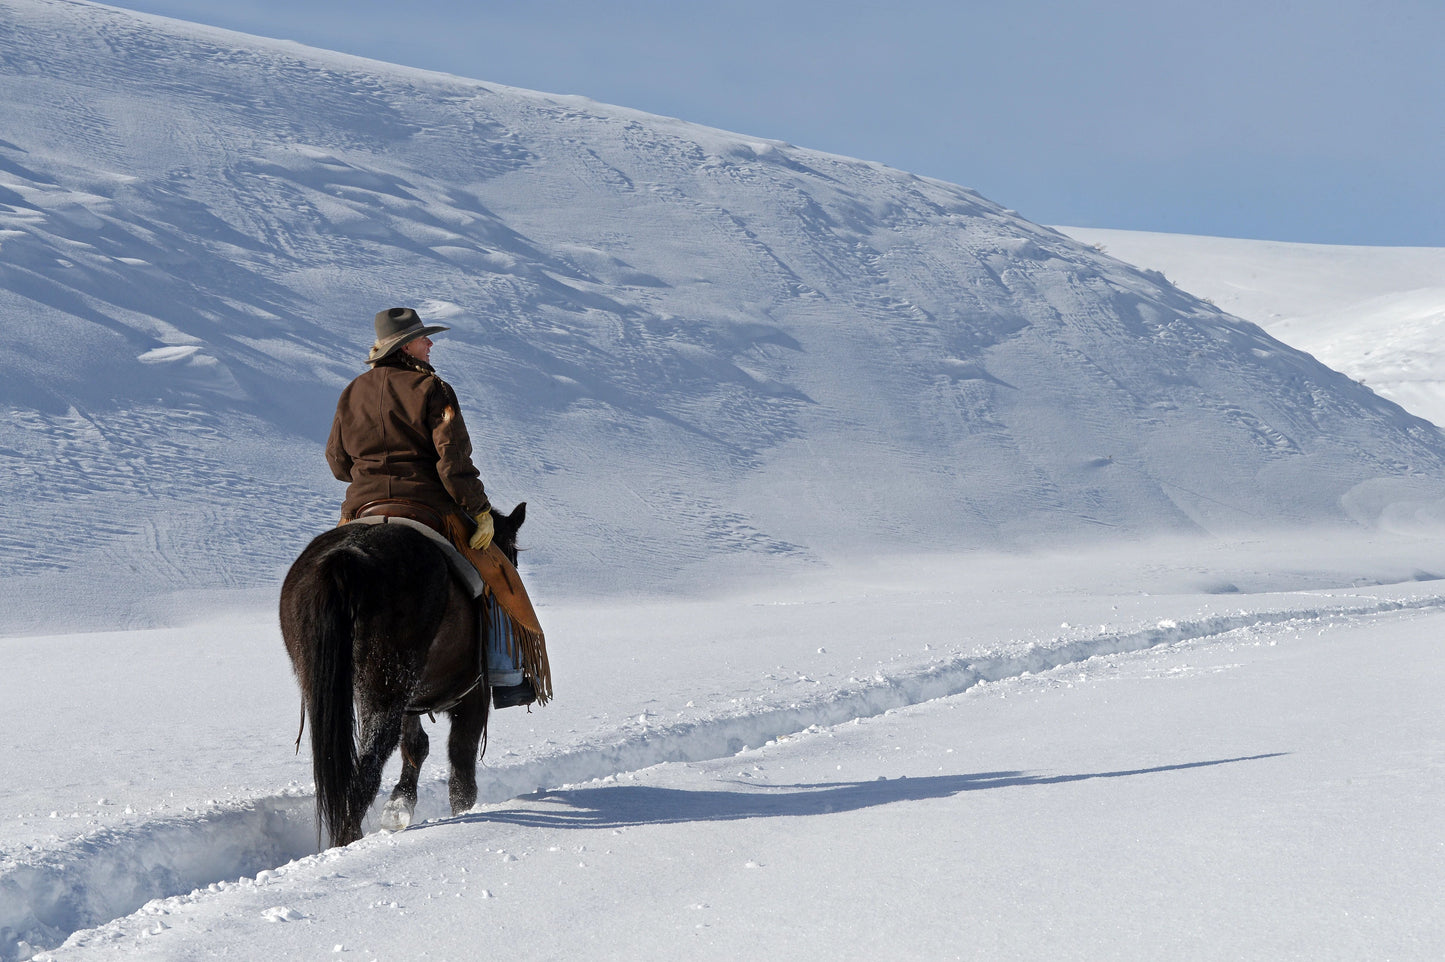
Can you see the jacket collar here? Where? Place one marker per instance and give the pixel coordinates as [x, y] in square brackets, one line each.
[405, 361]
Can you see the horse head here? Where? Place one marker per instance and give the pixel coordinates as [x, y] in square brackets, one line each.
[506, 526]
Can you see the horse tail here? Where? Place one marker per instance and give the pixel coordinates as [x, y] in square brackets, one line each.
[334, 760]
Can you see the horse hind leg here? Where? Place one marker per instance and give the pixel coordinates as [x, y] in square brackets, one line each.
[380, 732]
[397, 813]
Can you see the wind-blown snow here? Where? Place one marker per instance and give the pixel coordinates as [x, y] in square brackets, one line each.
[1019, 605]
[680, 345]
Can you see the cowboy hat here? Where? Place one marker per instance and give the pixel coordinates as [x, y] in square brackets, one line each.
[394, 327]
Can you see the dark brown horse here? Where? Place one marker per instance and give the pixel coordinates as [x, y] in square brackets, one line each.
[374, 617]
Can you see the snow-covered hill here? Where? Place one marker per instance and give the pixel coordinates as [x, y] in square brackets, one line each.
[687, 349]
[694, 354]
[1375, 313]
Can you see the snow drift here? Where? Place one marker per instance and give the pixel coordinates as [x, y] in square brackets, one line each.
[1374, 313]
[685, 348]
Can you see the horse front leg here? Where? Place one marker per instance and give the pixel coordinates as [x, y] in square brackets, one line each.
[469, 724]
[397, 813]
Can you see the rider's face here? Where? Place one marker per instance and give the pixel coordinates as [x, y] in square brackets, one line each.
[419, 348]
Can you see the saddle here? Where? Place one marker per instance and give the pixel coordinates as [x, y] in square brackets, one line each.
[429, 522]
[399, 508]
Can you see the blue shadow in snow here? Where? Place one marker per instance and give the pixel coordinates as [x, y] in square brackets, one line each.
[621, 806]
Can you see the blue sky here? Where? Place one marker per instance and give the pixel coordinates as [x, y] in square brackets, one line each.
[1302, 120]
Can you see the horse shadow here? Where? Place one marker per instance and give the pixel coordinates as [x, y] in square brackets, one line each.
[627, 806]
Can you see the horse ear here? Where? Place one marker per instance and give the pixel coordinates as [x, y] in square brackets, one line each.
[519, 514]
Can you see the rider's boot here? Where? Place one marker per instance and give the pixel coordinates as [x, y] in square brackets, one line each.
[508, 696]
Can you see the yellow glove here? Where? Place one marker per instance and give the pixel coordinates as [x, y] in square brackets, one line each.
[483, 535]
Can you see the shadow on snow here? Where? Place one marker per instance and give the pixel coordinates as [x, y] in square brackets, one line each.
[624, 806]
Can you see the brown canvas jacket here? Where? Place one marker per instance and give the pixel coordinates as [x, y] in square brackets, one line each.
[399, 433]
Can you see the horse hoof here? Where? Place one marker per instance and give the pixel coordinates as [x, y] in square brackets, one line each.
[396, 815]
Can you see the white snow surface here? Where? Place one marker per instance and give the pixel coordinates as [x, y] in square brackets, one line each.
[918, 581]
[1166, 751]
[1375, 313]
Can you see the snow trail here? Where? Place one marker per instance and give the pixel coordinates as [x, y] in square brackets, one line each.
[112, 873]
[47, 896]
[727, 735]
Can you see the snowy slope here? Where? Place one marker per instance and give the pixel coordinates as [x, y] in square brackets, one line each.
[688, 348]
[1374, 313]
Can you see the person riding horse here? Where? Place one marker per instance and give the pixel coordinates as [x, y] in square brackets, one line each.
[399, 441]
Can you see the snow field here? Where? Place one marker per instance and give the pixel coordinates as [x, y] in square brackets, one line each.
[717, 752]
